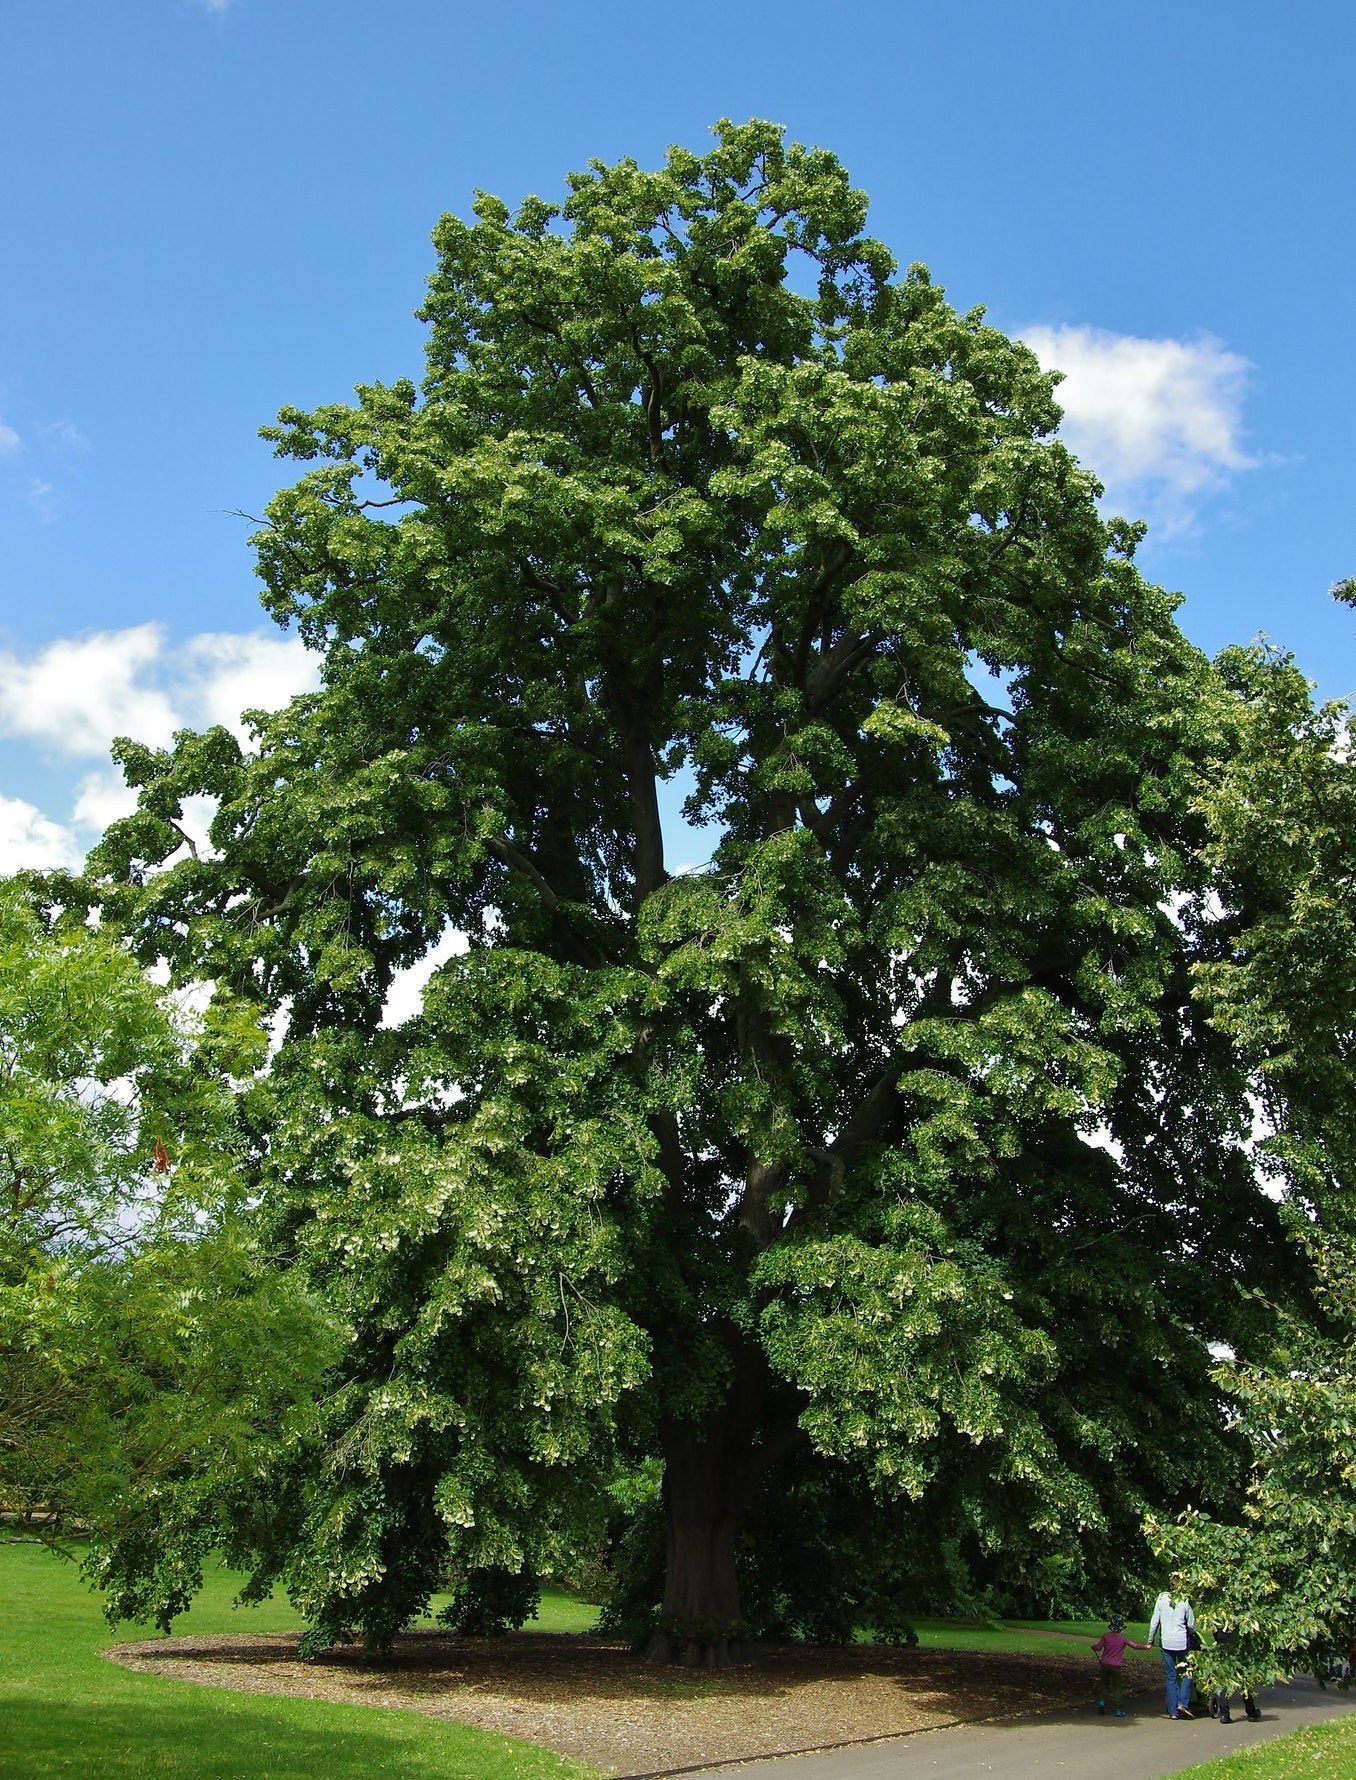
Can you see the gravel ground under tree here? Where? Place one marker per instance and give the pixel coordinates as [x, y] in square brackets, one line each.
[593, 1700]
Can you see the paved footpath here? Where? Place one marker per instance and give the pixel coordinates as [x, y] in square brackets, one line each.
[1140, 1747]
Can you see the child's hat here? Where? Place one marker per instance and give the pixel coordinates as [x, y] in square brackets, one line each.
[1118, 1624]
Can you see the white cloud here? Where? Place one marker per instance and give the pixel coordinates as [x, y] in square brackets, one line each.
[405, 997]
[74, 696]
[195, 820]
[78, 693]
[223, 673]
[9, 439]
[104, 797]
[70, 699]
[1158, 421]
[28, 838]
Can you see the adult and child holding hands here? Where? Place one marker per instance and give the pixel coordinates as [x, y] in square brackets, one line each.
[1174, 1625]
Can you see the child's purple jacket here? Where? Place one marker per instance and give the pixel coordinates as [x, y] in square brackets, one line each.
[1112, 1646]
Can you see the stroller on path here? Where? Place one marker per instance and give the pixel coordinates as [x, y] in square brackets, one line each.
[1219, 1700]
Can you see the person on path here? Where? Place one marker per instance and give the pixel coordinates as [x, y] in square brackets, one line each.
[1175, 1625]
[1219, 1700]
[1110, 1651]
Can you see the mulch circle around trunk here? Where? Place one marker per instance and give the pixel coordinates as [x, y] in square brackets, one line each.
[597, 1702]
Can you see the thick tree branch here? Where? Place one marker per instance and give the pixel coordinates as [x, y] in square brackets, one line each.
[815, 605]
[767, 1054]
[630, 706]
[831, 1163]
[643, 787]
[836, 665]
[580, 948]
[553, 595]
[663, 1124]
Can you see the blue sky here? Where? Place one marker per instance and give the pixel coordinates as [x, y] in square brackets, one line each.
[214, 207]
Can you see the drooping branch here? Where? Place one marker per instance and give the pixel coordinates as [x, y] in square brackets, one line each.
[580, 948]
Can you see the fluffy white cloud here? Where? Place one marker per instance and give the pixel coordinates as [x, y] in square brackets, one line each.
[9, 439]
[71, 698]
[223, 673]
[28, 838]
[74, 696]
[1158, 421]
[196, 820]
[78, 693]
[104, 797]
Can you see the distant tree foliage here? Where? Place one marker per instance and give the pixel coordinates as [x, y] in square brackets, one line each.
[142, 1344]
[1282, 1577]
[1282, 822]
[877, 1158]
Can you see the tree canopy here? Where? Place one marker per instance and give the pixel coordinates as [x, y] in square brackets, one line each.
[852, 1146]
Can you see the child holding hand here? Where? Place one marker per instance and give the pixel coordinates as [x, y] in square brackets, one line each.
[1110, 1651]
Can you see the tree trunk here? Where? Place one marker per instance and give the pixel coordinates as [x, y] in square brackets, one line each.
[705, 1484]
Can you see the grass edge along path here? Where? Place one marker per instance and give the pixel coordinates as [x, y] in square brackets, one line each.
[1315, 1752]
[65, 1710]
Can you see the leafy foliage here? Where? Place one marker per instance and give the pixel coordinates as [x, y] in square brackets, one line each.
[489, 1601]
[1282, 816]
[142, 1342]
[891, 1134]
[1284, 1577]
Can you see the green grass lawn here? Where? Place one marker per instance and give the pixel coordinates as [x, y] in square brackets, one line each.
[1040, 1637]
[1318, 1752]
[64, 1710]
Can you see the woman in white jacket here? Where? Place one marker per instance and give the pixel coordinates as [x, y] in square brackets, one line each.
[1174, 1621]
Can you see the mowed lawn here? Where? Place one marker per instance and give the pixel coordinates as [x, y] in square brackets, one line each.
[1039, 1637]
[65, 1710]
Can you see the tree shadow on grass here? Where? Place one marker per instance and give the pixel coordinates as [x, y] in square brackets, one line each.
[544, 1668]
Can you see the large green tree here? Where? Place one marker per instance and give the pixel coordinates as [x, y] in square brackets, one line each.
[870, 1159]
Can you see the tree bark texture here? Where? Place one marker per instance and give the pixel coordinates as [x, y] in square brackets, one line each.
[705, 1486]
[712, 1471]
